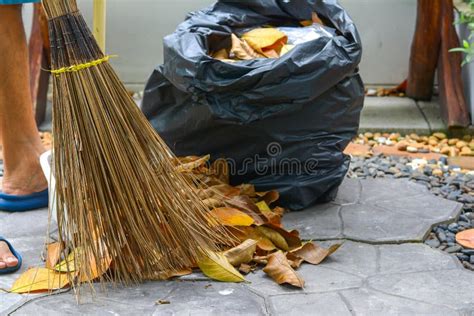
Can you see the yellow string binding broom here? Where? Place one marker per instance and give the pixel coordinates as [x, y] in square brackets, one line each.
[115, 177]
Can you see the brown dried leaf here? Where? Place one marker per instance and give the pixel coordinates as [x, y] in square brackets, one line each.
[192, 165]
[242, 50]
[53, 254]
[220, 168]
[292, 237]
[277, 239]
[246, 268]
[280, 270]
[313, 253]
[243, 253]
[466, 238]
[294, 261]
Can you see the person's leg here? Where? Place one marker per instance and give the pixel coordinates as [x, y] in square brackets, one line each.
[20, 139]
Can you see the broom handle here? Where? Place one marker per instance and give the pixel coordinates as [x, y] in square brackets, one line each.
[99, 22]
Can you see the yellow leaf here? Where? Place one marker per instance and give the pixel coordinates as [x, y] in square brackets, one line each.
[277, 239]
[230, 216]
[217, 267]
[39, 280]
[285, 49]
[265, 39]
[68, 264]
[92, 270]
[263, 207]
[280, 270]
[243, 253]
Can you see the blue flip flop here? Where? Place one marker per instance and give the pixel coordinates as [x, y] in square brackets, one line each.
[16, 254]
[21, 203]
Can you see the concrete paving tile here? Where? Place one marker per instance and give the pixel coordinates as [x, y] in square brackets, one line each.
[450, 288]
[372, 224]
[134, 300]
[24, 224]
[309, 304]
[413, 258]
[9, 301]
[432, 112]
[426, 207]
[388, 211]
[349, 192]
[198, 298]
[355, 258]
[392, 114]
[377, 190]
[318, 222]
[367, 302]
[317, 279]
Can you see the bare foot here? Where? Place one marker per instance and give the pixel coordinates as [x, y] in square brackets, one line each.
[7, 259]
[25, 176]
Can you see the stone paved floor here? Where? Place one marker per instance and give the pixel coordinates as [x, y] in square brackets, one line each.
[382, 268]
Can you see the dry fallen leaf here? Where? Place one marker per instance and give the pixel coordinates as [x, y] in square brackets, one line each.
[229, 216]
[292, 238]
[190, 166]
[466, 238]
[243, 253]
[246, 268]
[92, 269]
[53, 254]
[37, 280]
[313, 253]
[277, 239]
[242, 50]
[280, 270]
[221, 54]
[246, 205]
[266, 41]
[217, 267]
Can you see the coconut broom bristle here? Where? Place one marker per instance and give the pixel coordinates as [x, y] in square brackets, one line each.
[118, 192]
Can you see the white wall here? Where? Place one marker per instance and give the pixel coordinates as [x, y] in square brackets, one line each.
[135, 29]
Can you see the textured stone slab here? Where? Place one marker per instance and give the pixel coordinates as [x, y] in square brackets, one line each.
[360, 279]
[24, 224]
[375, 211]
[196, 298]
[368, 302]
[309, 304]
[450, 288]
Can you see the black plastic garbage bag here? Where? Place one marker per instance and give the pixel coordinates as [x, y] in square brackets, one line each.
[281, 123]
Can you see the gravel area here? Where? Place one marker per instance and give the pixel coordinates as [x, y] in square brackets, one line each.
[442, 180]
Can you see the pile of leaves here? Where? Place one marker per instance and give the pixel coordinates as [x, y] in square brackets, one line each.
[265, 42]
[251, 216]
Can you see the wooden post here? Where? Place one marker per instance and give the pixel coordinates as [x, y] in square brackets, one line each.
[451, 88]
[99, 24]
[38, 49]
[425, 50]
